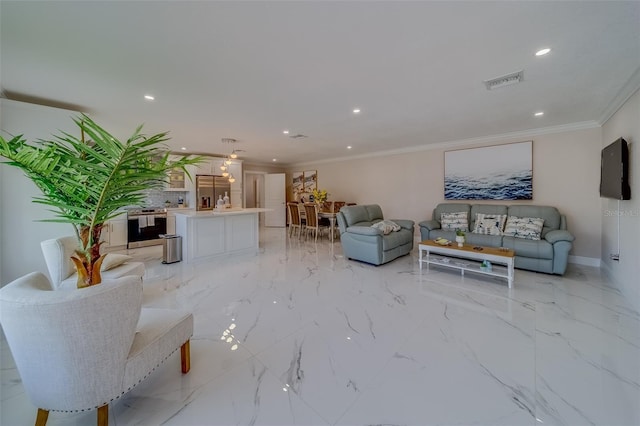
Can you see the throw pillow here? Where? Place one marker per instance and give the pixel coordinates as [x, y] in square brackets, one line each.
[113, 259]
[528, 228]
[454, 221]
[489, 224]
[386, 226]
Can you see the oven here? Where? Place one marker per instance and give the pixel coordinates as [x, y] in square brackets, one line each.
[145, 226]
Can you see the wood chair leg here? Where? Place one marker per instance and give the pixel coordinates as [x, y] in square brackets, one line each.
[103, 415]
[41, 418]
[185, 357]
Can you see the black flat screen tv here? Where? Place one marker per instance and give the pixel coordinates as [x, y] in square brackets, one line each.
[614, 171]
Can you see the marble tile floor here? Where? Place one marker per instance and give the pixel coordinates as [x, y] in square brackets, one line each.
[298, 335]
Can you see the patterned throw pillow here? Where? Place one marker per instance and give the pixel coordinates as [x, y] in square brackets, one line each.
[454, 221]
[528, 228]
[386, 226]
[489, 224]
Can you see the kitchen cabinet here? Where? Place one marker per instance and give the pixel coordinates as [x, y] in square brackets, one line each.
[114, 232]
[178, 179]
[205, 168]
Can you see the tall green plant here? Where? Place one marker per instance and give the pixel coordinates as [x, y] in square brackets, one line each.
[84, 180]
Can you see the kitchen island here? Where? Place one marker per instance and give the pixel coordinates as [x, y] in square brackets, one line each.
[210, 234]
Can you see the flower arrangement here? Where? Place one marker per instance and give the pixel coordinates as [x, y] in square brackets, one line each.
[320, 196]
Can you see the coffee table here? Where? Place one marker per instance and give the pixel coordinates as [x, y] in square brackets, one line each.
[468, 258]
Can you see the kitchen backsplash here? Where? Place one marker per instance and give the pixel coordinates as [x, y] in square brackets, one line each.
[155, 198]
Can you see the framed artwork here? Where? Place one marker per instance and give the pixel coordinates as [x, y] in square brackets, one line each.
[499, 172]
[310, 180]
[298, 184]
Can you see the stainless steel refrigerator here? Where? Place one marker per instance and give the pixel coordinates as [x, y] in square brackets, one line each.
[209, 189]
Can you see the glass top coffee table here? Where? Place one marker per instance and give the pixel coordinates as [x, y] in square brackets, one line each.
[469, 258]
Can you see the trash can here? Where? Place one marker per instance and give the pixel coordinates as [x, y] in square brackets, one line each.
[171, 248]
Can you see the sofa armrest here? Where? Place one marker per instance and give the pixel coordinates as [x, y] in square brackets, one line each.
[558, 235]
[404, 223]
[430, 224]
[364, 230]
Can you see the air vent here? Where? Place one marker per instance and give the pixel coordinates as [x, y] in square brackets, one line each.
[298, 136]
[505, 80]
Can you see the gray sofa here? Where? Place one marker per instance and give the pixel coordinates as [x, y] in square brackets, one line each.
[360, 241]
[549, 254]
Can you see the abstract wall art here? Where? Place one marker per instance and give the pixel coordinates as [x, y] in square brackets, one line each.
[499, 172]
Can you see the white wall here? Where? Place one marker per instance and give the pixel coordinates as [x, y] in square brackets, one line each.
[624, 123]
[566, 169]
[20, 229]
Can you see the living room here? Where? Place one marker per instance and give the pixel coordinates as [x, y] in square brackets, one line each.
[407, 181]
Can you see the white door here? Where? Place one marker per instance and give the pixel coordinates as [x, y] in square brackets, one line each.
[274, 199]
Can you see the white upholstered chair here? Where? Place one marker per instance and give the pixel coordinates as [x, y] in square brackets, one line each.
[80, 349]
[57, 254]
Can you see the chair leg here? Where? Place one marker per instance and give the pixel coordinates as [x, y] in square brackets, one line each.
[41, 418]
[185, 357]
[103, 415]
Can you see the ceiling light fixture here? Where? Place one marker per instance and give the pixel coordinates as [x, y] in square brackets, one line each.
[226, 163]
[356, 110]
[184, 148]
[539, 114]
[349, 147]
[274, 160]
[286, 132]
[543, 52]
[149, 97]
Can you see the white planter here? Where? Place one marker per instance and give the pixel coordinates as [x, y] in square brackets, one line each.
[459, 240]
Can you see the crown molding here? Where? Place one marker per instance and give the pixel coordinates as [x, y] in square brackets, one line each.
[582, 125]
[628, 89]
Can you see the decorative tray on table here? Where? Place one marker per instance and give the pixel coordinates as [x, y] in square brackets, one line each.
[442, 241]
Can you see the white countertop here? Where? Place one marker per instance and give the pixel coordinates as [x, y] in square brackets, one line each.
[214, 212]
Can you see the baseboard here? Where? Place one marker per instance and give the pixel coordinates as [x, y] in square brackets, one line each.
[586, 261]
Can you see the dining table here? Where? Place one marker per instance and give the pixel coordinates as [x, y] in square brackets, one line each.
[332, 221]
[325, 215]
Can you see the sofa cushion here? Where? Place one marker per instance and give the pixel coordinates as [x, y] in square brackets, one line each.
[355, 214]
[528, 228]
[483, 240]
[551, 215]
[454, 220]
[396, 239]
[540, 249]
[112, 260]
[489, 224]
[498, 209]
[374, 212]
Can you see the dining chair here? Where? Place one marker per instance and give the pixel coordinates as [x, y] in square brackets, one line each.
[295, 221]
[337, 205]
[327, 206]
[312, 225]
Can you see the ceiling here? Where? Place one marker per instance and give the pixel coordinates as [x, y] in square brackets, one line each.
[250, 70]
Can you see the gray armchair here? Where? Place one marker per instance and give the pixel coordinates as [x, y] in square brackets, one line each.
[361, 241]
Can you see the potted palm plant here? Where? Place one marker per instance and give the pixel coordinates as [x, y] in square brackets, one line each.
[85, 180]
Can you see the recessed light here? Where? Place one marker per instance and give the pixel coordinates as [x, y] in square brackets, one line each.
[539, 114]
[356, 110]
[349, 147]
[543, 52]
[286, 132]
[274, 160]
[149, 97]
[184, 148]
